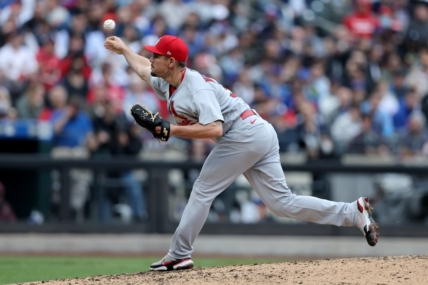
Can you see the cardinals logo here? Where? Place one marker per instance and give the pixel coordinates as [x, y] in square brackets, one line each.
[180, 119]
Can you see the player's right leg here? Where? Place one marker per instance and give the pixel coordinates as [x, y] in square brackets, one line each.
[268, 180]
[232, 156]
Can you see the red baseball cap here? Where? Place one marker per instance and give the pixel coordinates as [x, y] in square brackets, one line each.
[170, 46]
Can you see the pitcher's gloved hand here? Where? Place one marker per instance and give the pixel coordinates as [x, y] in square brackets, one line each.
[150, 121]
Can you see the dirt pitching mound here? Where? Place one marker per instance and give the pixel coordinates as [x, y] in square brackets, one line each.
[380, 270]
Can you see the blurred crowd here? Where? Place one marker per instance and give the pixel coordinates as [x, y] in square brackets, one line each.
[333, 77]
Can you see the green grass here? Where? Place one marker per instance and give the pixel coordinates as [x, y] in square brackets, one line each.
[18, 269]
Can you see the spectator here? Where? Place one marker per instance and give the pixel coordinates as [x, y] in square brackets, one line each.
[108, 77]
[74, 138]
[318, 85]
[106, 126]
[382, 121]
[413, 141]
[38, 24]
[373, 66]
[117, 137]
[361, 23]
[94, 38]
[417, 32]
[354, 76]
[336, 104]
[244, 88]
[368, 141]
[157, 28]
[207, 64]
[397, 85]
[194, 38]
[57, 15]
[408, 104]
[76, 53]
[416, 77]
[174, 12]
[31, 103]
[392, 61]
[346, 127]
[6, 212]
[48, 64]
[312, 132]
[76, 75]
[389, 102]
[393, 16]
[19, 11]
[232, 64]
[131, 37]
[274, 86]
[57, 100]
[18, 63]
[72, 126]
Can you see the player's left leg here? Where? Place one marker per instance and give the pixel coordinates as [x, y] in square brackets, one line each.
[267, 177]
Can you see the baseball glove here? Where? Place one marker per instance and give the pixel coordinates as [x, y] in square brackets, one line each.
[150, 121]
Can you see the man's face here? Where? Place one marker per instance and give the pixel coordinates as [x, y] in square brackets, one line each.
[411, 99]
[16, 41]
[421, 12]
[415, 125]
[160, 65]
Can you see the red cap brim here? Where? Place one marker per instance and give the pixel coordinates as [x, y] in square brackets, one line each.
[153, 49]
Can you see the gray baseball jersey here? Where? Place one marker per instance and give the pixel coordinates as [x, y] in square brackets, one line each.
[200, 99]
[249, 146]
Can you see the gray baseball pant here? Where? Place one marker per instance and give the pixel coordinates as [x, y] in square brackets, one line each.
[252, 150]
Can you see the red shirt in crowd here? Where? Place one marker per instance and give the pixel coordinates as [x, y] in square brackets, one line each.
[48, 64]
[362, 23]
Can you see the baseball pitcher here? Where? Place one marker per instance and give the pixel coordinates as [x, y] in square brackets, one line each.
[246, 144]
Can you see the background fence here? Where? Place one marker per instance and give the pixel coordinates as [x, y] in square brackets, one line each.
[405, 197]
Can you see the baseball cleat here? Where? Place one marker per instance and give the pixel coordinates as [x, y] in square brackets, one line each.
[366, 223]
[168, 263]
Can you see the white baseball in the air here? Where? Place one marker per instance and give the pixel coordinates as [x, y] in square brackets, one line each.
[109, 24]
